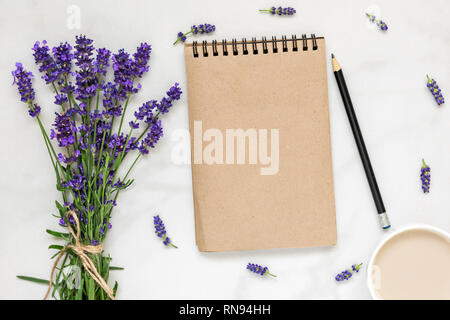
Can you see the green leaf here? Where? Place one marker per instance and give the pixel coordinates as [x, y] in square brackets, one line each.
[79, 295]
[116, 268]
[58, 234]
[61, 209]
[32, 279]
[90, 287]
[55, 246]
[115, 288]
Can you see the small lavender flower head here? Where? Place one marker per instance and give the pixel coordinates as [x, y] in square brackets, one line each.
[181, 36]
[203, 28]
[102, 61]
[160, 231]
[425, 177]
[86, 78]
[141, 58]
[195, 29]
[347, 274]
[256, 268]
[63, 58]
[34, 110]
[46, 63]
[23, 80]
[288, 11]
[381, 24]
[435, 91]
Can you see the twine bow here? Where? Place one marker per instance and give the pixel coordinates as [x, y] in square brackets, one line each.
[82, 250]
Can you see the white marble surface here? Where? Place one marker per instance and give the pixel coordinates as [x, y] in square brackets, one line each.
[386, 77]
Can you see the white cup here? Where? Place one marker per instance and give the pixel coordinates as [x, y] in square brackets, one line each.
[372, 270]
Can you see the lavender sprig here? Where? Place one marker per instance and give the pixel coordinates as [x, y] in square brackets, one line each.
[435, 91]
[280, 11]
[160, 231]
[347, 274]
[425, 177]
[256, 268]
[379, 23]
[200, 29]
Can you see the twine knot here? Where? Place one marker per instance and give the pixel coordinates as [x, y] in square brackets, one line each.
[82, 250]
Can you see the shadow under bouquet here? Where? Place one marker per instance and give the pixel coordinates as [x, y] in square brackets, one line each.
[89, 131]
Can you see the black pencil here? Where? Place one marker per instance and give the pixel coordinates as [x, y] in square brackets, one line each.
[383, 218]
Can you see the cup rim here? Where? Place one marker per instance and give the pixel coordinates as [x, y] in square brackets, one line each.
[427, 227]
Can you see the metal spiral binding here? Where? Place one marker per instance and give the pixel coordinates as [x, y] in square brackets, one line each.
[314, 41]
[224, 46]
[205, 49]
[284, 43]
[214, 47]
[255, 47]
[234, 45]
[244, 46]
[264, 43]
[284, 47]
[294, 43]
[305, 42]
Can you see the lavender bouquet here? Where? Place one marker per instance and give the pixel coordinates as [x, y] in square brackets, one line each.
[88, 129]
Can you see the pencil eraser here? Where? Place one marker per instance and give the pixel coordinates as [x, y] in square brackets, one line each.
[384, 220]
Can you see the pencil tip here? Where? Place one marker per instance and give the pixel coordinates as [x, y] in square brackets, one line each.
[332, 56]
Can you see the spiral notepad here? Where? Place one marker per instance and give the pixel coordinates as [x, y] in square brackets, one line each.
[260, 140]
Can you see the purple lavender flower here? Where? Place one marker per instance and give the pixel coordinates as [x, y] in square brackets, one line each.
[65, 129]
[60, 99]
[63, 58]
[145, 112]
[203, 28]
[195, 29]
[69, 159]
[102, 61]
[160, 231]
[110, 100]
[34, 110]
[425, 177]
[435, 91]
[83, 51]
[347, 274]
[23, 80]
[86, 80]
[381, 25]
[134, 124]
[173, 94]
[256, 268]
[77, 183]
[123, 74]
[63, 223]
[46, 63]
[181, 37]
[154, 134]
[141, 58]
[280, 11]
[117, 142]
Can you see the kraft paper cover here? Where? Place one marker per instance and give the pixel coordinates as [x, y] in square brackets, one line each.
[237, 208]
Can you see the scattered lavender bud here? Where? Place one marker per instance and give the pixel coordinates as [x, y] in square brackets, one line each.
[160, 231]
[425, 177]
[435, 91]
[256, 268]
[347, 274]
[195, 29]
[280, 11]
[379, 23]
